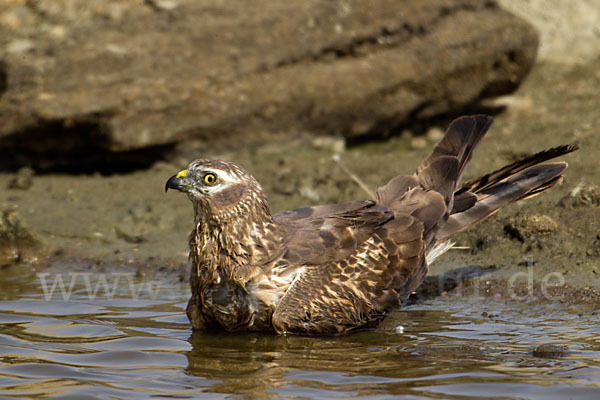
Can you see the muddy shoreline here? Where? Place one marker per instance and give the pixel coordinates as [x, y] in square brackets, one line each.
[126, 220]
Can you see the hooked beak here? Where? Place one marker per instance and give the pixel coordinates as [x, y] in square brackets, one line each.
[177, 182]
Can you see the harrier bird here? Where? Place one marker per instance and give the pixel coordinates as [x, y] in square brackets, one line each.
[337, 268]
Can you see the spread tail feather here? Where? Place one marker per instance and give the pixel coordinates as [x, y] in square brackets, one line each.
[443, 169]
[483, 196]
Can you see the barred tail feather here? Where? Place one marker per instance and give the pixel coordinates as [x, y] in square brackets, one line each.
[443, 169]
[479, 184]
[495, 194]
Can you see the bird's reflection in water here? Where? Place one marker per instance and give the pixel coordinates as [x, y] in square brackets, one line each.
[263, 365]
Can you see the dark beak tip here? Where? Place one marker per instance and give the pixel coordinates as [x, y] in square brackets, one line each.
[173, 183]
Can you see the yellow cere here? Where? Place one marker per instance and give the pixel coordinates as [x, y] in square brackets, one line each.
[181, 174]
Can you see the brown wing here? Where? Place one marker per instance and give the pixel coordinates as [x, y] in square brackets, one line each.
[321, 211]
[356, 291]
[334, 294]
[318, 235]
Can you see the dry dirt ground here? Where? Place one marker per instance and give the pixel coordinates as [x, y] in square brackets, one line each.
[128, 219]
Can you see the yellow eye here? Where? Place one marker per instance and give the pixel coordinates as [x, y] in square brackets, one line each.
[209, 179]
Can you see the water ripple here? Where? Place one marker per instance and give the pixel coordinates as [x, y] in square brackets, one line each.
[452, 348]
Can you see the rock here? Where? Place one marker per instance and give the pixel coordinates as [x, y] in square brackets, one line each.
[19, 46]
[522, 227]
[232, 73]
[129, 237]
[418, 142]
[164, 5]
[12, 230]
[569, 30]
[435, 134]
[549, 350]
[139, 220]
[310, 193]
[16, 240]
[22, 180]
[334, 144]
[582, 196]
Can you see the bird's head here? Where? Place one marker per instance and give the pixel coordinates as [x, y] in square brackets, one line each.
[219, 189]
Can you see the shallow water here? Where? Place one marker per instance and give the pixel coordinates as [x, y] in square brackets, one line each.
[135, 343]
